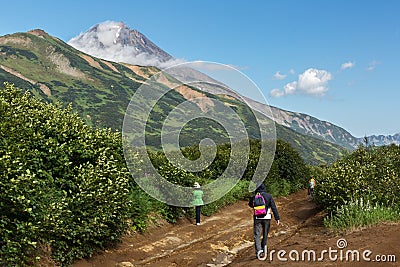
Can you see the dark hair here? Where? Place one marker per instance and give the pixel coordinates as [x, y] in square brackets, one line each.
[261, 188]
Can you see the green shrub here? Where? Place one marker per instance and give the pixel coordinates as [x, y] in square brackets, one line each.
[171, 213]
[238, 192]
[63, 184]
[141, 208]
[279, 187]
[372, 171]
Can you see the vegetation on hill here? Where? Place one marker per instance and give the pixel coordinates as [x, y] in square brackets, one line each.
[100, 91]
[312, 150]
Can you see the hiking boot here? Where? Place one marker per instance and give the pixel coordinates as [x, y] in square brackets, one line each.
[261, 255]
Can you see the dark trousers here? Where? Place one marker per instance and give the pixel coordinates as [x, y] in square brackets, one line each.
[198, 208]
[261, 229]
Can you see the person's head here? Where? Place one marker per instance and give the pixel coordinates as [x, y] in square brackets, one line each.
[196, 185]
[261, 188]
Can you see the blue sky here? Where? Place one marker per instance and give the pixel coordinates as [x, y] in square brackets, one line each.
[337, 60]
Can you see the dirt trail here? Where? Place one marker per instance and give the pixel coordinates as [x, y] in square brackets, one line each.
[226, 239]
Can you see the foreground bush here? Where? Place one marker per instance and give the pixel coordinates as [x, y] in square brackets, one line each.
[368, 171]
[63, 185]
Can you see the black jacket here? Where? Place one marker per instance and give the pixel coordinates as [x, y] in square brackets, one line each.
[268, 199]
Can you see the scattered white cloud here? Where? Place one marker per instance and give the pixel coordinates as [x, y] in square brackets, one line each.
[292, 71]
[102, 43]
[312, 82]
[279, 76]
[276, 93]
[347, 65]
[372, 65]
[290, 88]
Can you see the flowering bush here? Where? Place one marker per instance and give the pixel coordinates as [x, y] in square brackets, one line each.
[368, 171]
[64, 185]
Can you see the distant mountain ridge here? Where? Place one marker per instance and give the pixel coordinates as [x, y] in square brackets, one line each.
[381, 140]
[312, 126]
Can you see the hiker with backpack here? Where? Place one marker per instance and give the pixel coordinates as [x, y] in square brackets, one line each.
[311, 186]
[262, 204]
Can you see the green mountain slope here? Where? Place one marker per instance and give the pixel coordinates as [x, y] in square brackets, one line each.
[100, 91]
[313, 150]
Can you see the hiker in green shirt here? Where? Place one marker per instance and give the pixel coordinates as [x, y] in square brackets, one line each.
[197, 200]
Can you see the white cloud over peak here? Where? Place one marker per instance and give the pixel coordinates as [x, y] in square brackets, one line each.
[103, 44]
[312, 82]
[279, 76]
[347, 65]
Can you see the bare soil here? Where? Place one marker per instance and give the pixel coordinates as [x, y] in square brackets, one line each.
[226, 239]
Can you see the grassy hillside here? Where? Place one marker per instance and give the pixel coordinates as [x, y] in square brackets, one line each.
[55, 71]
[313, 150]
[100, 91]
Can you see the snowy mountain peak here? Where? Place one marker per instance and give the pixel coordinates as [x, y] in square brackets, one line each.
[115, 41]
[109, 33]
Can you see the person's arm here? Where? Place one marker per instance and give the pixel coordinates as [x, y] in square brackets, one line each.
[251, 204]
[275, 211]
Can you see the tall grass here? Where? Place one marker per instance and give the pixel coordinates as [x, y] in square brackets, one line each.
[360, 213]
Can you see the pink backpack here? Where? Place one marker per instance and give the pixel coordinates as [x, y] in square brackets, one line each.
[259, 206]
